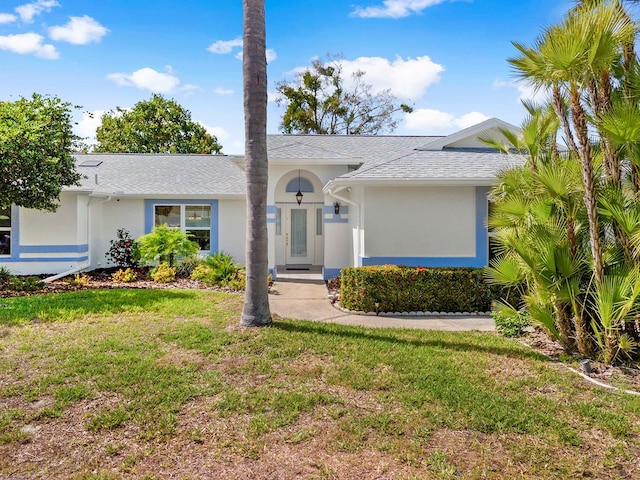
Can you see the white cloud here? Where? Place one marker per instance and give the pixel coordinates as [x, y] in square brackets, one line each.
[407, 79]
[79, 31]
[429, 121]
[28, 44]
[147, 79]
[30, 10]
[527, 92]
[225, 46]
[7, 18]
[223, 91]
[271, 55]
[86, 128]
[470, 119]
[222, 47]
[220, 133]
[269, 52]
[395, 8]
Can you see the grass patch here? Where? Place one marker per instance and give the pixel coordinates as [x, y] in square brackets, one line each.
[142, 377]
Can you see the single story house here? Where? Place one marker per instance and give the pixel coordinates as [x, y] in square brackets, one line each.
[333, 201]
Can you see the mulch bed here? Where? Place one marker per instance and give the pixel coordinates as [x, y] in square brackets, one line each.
[101, 279]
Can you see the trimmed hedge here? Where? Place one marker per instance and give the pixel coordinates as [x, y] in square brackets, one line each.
[415, 289]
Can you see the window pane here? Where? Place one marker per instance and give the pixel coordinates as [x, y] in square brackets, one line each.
[169, 215]
[5, 242]
[5, 217]
[201, 237]
[299, 232]
[318, 221]
[278, 221]
[198, 216]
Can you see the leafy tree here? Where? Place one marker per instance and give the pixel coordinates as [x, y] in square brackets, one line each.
[319, 102]
[157, 125]
[164, 244]
[35, 152]
[254, 65]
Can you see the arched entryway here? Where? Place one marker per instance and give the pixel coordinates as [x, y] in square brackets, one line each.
[299, 232]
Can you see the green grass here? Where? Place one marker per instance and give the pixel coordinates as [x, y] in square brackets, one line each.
[136, 360]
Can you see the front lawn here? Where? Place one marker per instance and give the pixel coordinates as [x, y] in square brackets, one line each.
[161, 384]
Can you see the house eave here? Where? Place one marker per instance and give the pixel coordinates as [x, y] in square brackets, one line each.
[412, 182]
[315, 161]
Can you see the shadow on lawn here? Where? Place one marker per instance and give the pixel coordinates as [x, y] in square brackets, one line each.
[63, 306]
[357, 333]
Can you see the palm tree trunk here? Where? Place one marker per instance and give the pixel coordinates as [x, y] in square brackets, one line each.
[256, 301]
[580, 125]
[565, 327]
[561, 112]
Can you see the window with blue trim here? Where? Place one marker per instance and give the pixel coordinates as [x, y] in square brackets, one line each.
[5, 231]
[194, 220]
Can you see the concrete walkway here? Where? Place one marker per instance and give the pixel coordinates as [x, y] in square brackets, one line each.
[301, 298]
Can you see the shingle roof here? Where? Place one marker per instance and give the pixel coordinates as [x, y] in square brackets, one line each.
[368, 149]
[161, 174]
[450, 164]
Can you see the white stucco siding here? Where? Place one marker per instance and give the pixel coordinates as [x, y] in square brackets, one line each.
[38, 227]
[420, 222]
[107, 218]
[232, 228]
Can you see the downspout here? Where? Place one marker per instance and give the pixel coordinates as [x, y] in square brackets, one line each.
[334, 194]
[87, 264]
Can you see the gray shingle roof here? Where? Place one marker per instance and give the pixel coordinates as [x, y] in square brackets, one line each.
[161, 174]
[369, 149]
[450, 164]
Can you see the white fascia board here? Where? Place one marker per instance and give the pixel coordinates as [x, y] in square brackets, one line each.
[178, 196]
[316, 161]
[472, 131]
[413, 182]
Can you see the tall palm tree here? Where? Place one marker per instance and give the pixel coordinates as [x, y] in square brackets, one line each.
[577, 58]
[256, 304]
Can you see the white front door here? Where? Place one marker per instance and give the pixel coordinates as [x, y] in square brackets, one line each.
[300, 234]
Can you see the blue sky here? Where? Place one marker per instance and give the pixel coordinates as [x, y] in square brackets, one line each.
[446, 58]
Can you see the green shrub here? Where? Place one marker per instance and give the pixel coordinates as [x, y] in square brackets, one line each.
[220, 270]
[5, 276]
[124, 250]
[202, 273]
[509, 322]
[79, 280]
[223, 267]
[124, 276]
[163, 273]
[415, 289]
[25, 284]
[238, 283]
[165, 245]
[186, 266]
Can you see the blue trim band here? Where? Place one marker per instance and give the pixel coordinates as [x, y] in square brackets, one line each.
[422, 261]
[482, 232]
[329, 210]
[45, 259]
[149, 215]
[54, 248]
[329, 273]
